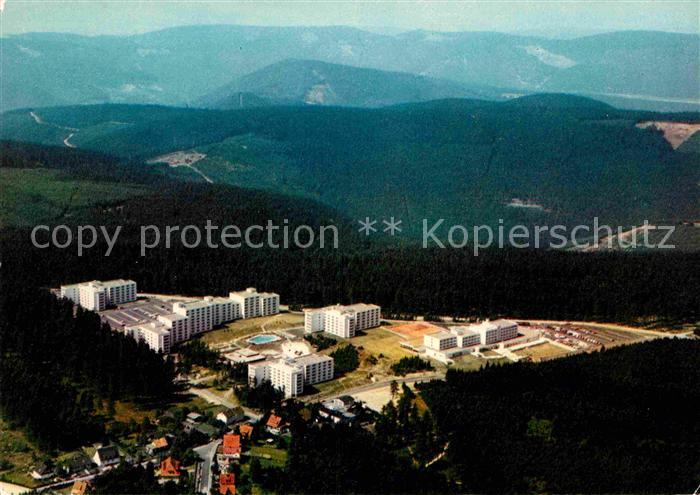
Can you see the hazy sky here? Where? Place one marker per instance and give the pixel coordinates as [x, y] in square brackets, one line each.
[559, 18]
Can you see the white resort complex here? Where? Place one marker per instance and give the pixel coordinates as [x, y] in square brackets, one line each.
[342, 321]
[445, 344]
[291, 374]
[161, 324]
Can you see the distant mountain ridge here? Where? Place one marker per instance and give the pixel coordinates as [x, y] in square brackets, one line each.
[320, 83]
[178, 66]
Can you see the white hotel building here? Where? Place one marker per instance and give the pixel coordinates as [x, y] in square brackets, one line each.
[290, 375]
[343, 321]
[97, 296]
[156, 335]
[444, 345]
[253, 303]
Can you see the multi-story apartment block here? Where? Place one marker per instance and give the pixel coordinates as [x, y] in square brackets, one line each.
[177, 324]
[120, 291]
[440, 341]
[283, 375]
[156, 335]
[254, 303]
[466, 337]
[96, 295]
[200, 315]
[343, 321]
[92, 296]
[249, 300]
[316, 368]
[223, 310]
[290, 375]
[492, 332]
[269, 303]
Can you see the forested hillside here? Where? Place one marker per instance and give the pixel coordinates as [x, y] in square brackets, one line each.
[617, 421]
[406, 279]
[299, 82]
[567, 159]
[58, 365]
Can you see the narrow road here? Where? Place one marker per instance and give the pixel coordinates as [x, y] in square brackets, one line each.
[72, 130]
[381, 384]
[200, 173]
[207, 453]
[215, 399]
[67, 142]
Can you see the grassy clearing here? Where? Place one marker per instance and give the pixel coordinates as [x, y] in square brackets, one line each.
[380, 341]
[19, 454]
[542, 351]
[242, 328]
[32, 196]
[270, 454]
[467, 362]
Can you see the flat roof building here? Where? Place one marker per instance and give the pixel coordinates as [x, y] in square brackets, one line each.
[254, 303]
[343, 321]
[440, 341]
[96, 295]
[290, 375]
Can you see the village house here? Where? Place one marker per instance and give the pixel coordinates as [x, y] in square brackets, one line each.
[338, 410]
[275, 425]
[192, 420]
[227, 484]
[157, 446]
[230, 416]
[42, 472]
[81, 465]
[81, 487]
[106, 456]
[229, 450]
[246, 430]
[169, 470]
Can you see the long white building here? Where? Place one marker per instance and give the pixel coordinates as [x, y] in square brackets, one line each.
[97, 296]
[444, 345]
[290, 375]
[343, 321]
[492, 332]
[188, 318]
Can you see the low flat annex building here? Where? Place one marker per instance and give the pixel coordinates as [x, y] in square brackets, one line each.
[290, 375]
[343, 321]
[96, 295]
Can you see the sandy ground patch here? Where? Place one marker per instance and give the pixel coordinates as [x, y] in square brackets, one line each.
[676, 133]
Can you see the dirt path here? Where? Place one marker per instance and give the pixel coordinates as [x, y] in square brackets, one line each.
[67, 140]
[72, 130]
[200, 173]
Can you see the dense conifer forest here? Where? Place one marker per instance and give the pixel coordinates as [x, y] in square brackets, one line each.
[60, 367]
[623, 420]
[615, 421]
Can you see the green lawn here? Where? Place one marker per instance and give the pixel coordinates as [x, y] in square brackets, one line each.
[31, 196]
[270, 454]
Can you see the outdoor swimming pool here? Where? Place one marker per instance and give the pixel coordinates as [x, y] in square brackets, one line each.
[262, 339]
